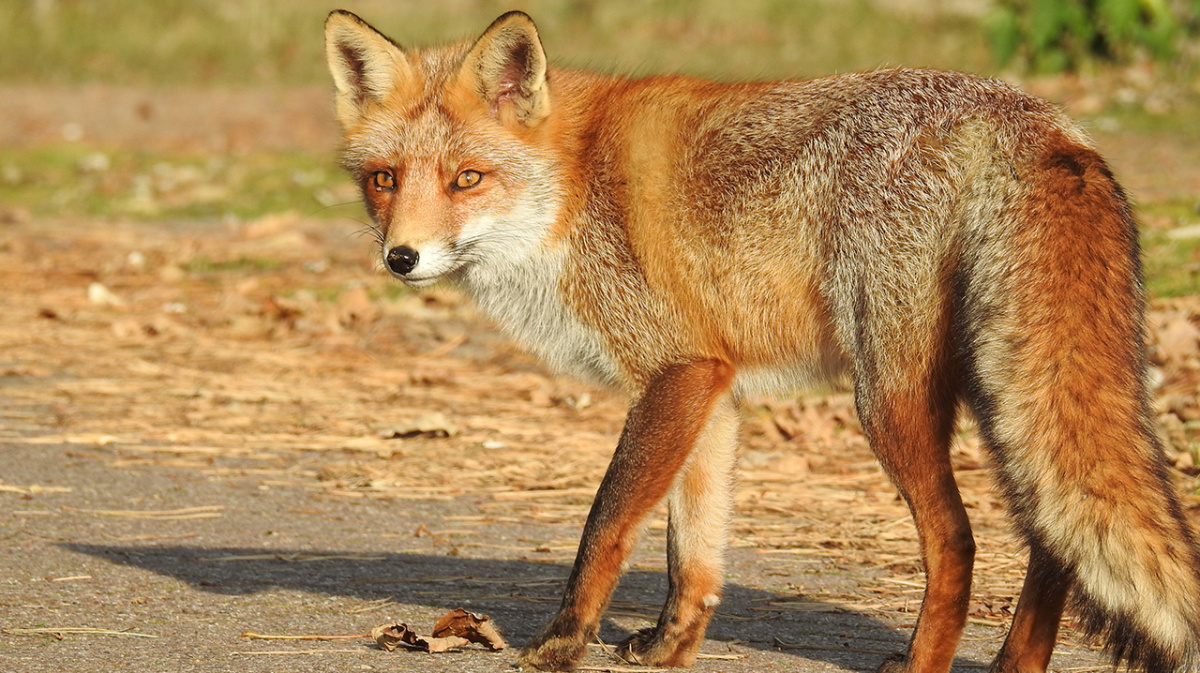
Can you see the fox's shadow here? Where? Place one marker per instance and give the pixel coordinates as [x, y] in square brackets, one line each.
[519, 595]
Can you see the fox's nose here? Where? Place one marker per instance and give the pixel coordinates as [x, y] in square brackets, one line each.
[401, 260]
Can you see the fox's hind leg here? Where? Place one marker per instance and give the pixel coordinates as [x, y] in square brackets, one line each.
[1034, 629]
[699, 506]
[909, 424]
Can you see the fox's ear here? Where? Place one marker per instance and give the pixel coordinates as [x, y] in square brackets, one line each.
[507, 69]
[365, 64]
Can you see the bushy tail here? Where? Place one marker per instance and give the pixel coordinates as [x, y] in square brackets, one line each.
[1052, 312]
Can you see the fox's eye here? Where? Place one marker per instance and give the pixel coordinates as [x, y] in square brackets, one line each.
[383, 181]
[467, 179]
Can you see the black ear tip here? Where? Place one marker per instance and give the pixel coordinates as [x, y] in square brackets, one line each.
[514, 15]
[339, 14]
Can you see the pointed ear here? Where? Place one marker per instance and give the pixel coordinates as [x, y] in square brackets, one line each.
[365, 64]
[507, 70]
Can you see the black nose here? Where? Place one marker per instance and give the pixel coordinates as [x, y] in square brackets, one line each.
[401, 260]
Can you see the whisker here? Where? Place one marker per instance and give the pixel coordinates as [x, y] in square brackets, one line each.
[334, 205]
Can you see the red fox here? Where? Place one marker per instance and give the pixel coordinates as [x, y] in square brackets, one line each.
[944, 240]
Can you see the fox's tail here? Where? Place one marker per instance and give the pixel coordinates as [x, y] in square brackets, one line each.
[1052, 318]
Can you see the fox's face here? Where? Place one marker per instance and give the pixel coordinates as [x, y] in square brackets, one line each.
[443, 144]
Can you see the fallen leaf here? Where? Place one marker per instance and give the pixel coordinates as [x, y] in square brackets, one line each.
[1178, 339]
[478, 629]
[391, 636]
[430, 425]
[456, 629]
[1173, 434]
[1185, 462]
[281, 309]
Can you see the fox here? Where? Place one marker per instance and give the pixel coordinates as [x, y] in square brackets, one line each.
[945, 243]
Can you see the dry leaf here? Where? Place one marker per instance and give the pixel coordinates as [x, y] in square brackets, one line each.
[1185, 462]
[478, 629]
[1173, 434]
[430, 425]
[391, 636]
[435, 645]
[281, 309]
[818, 422]
[1178, 339]
[456, 629]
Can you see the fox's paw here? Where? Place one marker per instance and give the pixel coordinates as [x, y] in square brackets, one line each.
[555, 653]
[642, 647]
[649, 647]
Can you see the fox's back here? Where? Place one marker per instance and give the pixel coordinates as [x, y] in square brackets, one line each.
[756, 216]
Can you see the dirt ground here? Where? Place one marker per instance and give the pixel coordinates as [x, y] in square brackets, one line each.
[215, 429]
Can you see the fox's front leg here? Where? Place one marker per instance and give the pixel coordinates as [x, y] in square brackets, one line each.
[699, 505]
[662, 428]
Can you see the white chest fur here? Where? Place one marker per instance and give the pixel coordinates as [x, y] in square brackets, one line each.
[525, 298]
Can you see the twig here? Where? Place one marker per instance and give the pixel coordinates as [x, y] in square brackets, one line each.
[373, 605]
[260, 636]
[82, 630]
[293, 652]
[447, 347]
[33, 489]
[784, 645]
[205, 512]
[622, 668]
[543, 494]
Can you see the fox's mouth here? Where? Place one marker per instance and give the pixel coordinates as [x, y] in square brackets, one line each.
[421, 277]
[418, 282]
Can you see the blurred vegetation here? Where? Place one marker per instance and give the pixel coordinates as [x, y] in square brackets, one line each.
[1068, 35]
[1171, 263]
[279, 41]
[260, 43]
[75, 179]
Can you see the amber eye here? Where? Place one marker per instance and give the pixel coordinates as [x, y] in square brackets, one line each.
[467, 179]
[383, 181]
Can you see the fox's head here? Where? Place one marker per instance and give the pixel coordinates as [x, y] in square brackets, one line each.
[444, 143]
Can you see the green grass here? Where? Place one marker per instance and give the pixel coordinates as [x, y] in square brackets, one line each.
[204, 265]
[1172, 267]
[1172, 264]
[75, 179]
[280, 41]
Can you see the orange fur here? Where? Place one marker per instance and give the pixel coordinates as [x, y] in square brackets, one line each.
[945, 241]
[662, 428]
